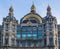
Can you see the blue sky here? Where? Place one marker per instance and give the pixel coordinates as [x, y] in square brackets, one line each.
[22, 7]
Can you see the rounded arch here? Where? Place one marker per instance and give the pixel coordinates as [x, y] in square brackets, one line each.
[33, 16]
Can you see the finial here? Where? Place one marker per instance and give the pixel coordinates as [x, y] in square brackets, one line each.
[11, 9]
[48, 10]
[33, 3]
[33, 8]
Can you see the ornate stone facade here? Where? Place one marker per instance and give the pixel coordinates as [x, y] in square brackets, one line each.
[33, 32]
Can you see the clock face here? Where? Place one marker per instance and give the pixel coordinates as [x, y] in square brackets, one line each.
[29, 23]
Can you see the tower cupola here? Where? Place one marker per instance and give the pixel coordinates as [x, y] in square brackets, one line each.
[33, 8]
[11, 11]
[48, 10]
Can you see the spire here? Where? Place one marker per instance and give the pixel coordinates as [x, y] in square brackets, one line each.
[11, 11]
[48, 10]
[33, 8]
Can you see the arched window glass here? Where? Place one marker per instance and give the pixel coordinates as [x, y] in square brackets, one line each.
[24, 34]
[40, 35]
[29, 35]
[24, 28]
[29, 28]
[34, 35]
[34, 28]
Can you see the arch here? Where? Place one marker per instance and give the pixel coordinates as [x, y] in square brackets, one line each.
[33, 16]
